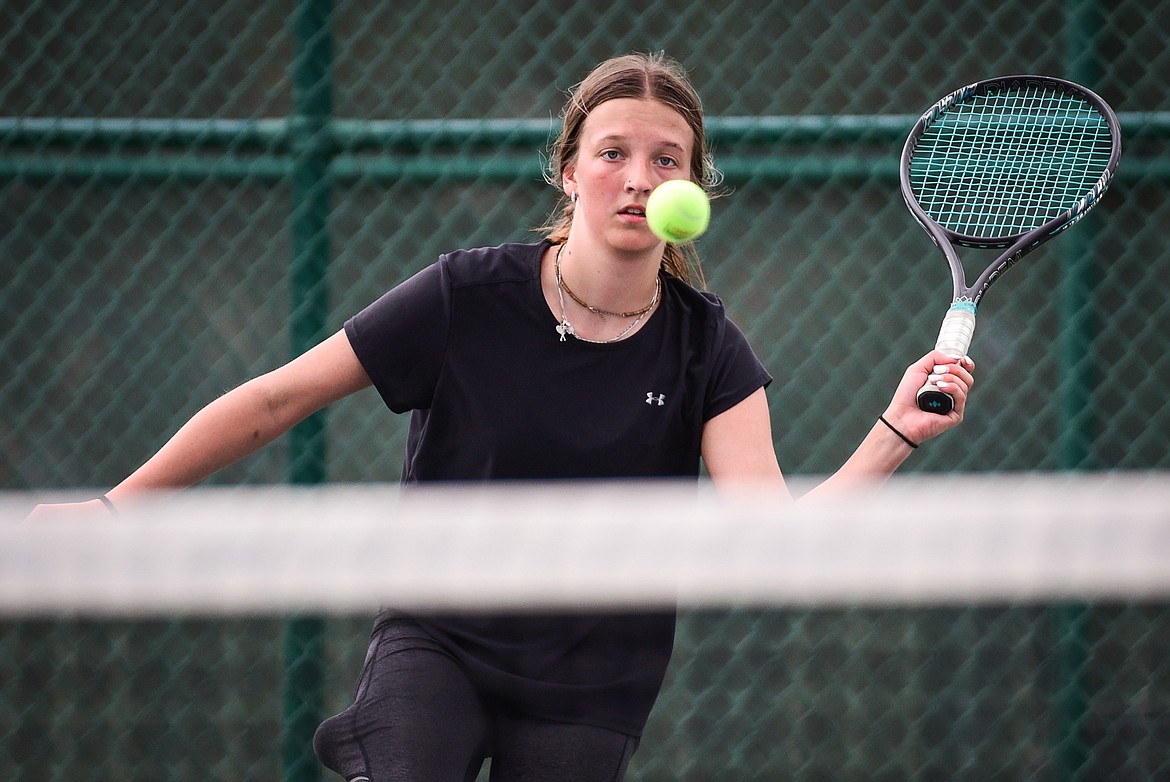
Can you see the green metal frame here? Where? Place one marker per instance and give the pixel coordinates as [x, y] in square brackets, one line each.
[496, 150]
[314, 151]
[310, 154]
[1078, 424]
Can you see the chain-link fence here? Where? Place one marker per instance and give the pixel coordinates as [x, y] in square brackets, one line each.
[191, 192]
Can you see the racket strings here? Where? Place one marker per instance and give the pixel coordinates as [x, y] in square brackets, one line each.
[1000, 164]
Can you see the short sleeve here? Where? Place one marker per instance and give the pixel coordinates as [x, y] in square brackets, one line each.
[737, 372]
[400, 339]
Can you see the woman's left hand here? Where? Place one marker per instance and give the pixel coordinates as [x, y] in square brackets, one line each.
[955, 376]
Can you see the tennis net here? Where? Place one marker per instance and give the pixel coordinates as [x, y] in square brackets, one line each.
[966, 626]
[960, 540]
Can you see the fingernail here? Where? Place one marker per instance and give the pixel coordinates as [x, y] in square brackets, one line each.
[934, 379]
[941, 385]
[940, 369]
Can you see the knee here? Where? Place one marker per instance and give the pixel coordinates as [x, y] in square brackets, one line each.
[330, 740]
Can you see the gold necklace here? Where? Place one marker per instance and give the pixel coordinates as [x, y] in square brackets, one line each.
[598, 310]
[565, 327]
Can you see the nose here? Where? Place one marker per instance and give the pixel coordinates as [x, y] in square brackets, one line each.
[638, 179]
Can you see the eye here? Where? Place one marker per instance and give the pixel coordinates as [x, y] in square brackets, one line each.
[666, 161]
[610, 154]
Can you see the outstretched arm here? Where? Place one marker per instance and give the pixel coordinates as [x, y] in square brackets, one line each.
[738, 448]
[885, 447]
[241, 422]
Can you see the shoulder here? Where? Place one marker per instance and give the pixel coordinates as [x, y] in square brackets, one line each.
[725, 364]
[514, 262]
[711, 331]
[702, 308]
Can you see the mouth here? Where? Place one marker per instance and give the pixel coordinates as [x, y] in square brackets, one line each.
[633, 211]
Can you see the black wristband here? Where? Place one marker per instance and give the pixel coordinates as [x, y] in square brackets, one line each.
[109, 505]
[905, 439]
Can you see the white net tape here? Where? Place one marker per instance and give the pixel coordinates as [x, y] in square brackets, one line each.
[916, 541]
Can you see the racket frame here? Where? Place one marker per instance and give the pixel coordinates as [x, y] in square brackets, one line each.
[959, 323]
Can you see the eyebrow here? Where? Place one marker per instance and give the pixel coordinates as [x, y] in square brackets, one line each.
[619, 138]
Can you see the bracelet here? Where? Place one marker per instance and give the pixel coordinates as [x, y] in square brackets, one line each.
[109, 505]
[905, 439]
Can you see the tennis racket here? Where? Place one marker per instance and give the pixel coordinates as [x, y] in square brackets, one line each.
[1003, 164]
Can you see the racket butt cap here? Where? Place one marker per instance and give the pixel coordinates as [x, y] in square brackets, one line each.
[934, 401]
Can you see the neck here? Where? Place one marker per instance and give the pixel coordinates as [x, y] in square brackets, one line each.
[617, 282]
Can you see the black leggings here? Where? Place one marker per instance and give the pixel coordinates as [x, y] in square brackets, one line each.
[416, 716]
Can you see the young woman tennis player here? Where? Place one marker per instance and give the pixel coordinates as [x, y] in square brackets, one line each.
[590, 354]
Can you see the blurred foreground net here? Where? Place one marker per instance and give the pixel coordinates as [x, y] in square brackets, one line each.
[941, 628]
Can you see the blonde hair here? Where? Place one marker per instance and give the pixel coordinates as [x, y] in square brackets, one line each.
[649, 76]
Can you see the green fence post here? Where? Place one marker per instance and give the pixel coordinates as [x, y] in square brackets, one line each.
[1078, 422]
[309, 310]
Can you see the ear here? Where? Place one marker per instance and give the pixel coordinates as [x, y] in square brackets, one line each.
[569, 180]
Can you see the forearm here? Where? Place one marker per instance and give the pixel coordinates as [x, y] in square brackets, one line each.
[878, 456]
[235, 425]
[888, 443]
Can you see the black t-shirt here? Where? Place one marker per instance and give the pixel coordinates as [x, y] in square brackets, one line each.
[469, 346]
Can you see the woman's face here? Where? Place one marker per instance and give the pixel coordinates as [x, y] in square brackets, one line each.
[628, 147]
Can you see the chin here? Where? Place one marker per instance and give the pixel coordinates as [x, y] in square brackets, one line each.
[639, 243]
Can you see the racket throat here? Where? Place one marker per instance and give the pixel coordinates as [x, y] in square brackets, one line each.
[954, 338]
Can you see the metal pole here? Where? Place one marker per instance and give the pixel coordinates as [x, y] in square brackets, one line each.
[311, 149]
[45, 149]
[1078, 420]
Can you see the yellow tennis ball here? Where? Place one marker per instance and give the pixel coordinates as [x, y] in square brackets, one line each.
[678, 211]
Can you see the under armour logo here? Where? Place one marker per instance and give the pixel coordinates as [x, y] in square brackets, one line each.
[652, 398]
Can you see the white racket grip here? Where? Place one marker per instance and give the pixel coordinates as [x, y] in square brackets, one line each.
[954, 338]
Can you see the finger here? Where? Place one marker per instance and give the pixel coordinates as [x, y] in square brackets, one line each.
[938, 357]
[952, 373]
[941, 363]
